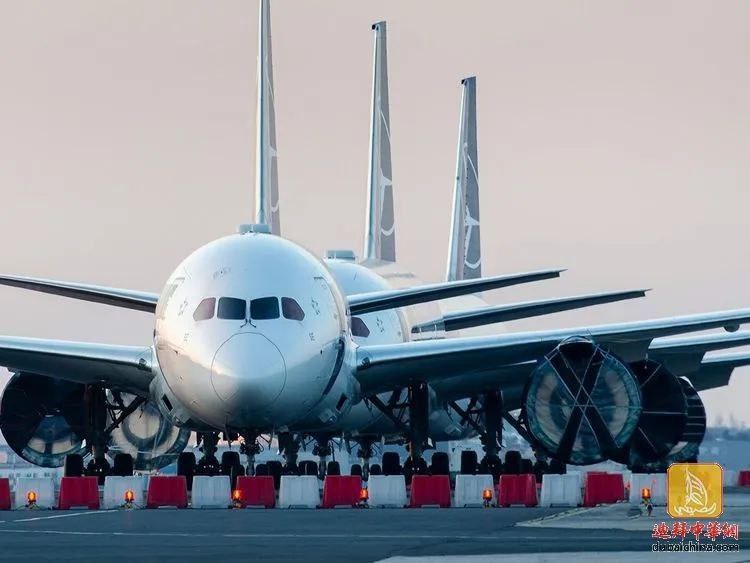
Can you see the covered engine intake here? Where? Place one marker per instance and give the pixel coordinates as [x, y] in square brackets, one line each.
[581, 403]
[151, 440]
[43, 419]
[663, 417]
[686, 450]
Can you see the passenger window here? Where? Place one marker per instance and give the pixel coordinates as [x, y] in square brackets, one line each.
[359, 328]
[291, 309]
[231, 308]
[264, 308]
[205, 309]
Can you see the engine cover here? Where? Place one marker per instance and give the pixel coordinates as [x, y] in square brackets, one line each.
[581, 403]
[43, 419]
[686, 450]
[664, 414]
[150, 439]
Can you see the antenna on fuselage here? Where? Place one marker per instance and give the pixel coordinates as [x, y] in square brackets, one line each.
[266, 165]
[464, 249]
[380, 231]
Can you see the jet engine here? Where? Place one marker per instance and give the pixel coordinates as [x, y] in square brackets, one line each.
[581, 403]
[663, 416]
[150, 439]
[686, 449]
[43, 419]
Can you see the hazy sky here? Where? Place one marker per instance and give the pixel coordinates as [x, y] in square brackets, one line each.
[613, 141]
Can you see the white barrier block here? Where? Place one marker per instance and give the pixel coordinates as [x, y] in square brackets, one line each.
[301, 491]
[115, 488]
[657, 482]
[44, 487]
[212, 491]
[469, 489]
[387, 491]
[731, 478]
[561, 490]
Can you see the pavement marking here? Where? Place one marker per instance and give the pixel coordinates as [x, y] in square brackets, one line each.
[63, 516]
[282, 536]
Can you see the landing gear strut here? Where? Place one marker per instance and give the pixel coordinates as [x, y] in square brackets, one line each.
[365, 453]
[208, 464]
[289, 448]
[322, 449]
[419, 428]
[250, 448]
[98, 437]
[492, 437]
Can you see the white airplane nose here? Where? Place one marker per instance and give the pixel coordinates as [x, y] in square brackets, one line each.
[248, 371]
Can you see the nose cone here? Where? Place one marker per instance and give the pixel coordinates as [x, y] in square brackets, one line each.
[248, 371]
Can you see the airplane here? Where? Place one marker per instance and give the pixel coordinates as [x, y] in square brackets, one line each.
[253, 334]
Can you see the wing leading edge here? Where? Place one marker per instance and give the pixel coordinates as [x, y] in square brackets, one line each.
[389, 366]
[127, 368]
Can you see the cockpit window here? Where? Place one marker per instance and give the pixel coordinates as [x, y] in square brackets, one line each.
[231, 308]
[264, 308]
[205, 309]
[291, 309]
[359, 328]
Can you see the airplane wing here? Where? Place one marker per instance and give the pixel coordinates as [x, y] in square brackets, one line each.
[389, 366]
[460, 320]
[126, 298]
[393, 298]
[715, 370]
[127, 368]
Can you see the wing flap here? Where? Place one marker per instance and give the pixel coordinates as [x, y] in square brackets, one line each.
[715, 371]
[119, 367]
[126, 298]
[393, 298]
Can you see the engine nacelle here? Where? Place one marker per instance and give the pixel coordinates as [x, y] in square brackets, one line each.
[581, 403]
[151, 440]
[43, 419]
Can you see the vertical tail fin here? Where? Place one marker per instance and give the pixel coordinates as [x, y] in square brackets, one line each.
[266, 166]
[380, 232]
[464, 250]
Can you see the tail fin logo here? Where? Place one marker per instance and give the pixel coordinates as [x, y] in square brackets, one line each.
[694, 490]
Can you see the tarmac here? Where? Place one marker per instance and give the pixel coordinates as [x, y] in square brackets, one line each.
[350, 535]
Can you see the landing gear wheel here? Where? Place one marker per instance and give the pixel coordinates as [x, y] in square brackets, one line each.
[73, 465]
[123, 465]
[413, 467]
[491, 465]
[186, 467]
[99, 468]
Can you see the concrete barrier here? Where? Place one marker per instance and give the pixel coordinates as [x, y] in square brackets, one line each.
[256, 491]
[657, 482]
[116, 487]
[387, 491]
[469, 489]
[44, 487]
[430, 490]
[561, 490]
[211, 491]
[603, 488]
[730, 478]
[517, 489]
[341, 490]
[301, 491]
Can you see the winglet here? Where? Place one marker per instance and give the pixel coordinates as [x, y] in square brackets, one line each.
[380, 232]
[464, 248]
[266, 164]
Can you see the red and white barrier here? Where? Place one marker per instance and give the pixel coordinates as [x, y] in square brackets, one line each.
[387, 491]
[299, 491]
[341, 490]
[603, 488]
[470, 489]
[430, 490]
[257, 491]
[517, 489]
[211, 491]
[79, 492]
[167, 491]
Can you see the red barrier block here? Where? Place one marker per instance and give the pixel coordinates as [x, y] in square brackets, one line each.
[744, 478]
[430, 490]
[166, 490]
[256, 491]
[341, 490]
[79, 491]
[5, 494]
[517, 489]
[603, 488]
